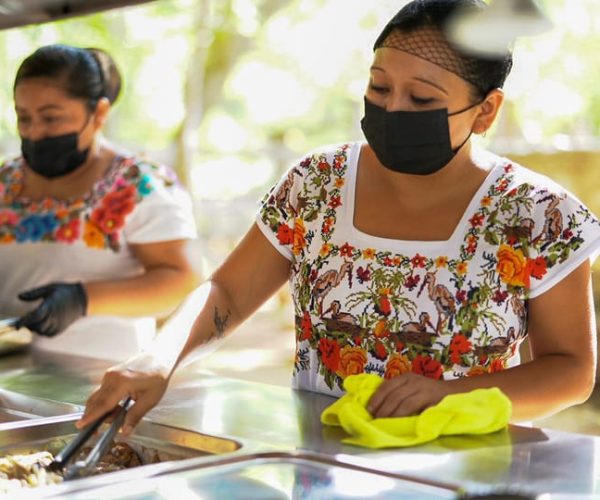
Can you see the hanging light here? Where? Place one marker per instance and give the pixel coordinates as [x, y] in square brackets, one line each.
[491, 31]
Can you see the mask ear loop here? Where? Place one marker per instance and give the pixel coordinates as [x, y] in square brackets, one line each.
[455, 151]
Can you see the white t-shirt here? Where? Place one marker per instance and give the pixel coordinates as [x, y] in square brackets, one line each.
[87, 239]
[444, 309]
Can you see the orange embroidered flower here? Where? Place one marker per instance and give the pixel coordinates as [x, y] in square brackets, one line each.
[476, 371]
[339, 182]
[512, 266]
[61, 213]
[92, 235]
[397, 364]
[368, 253]
[462, 268]
[441, 262]
[299, 240]
[486, 201]
[325, 249]
[7, 238]
[381, 329]
[352, 361]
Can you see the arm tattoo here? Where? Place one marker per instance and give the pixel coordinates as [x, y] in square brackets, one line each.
[220, 323]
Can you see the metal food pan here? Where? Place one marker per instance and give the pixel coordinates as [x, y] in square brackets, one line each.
[13, 339]
[154, 443]
[18, 407]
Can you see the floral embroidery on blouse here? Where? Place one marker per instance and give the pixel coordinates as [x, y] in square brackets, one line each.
[97, 219]
[458, 314]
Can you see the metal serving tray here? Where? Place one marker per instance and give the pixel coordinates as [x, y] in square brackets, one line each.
[154, 443]
[17, 407]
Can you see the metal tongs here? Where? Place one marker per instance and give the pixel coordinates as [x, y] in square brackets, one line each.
[83, 467]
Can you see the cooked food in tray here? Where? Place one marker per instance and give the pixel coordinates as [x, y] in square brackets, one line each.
[29, 470]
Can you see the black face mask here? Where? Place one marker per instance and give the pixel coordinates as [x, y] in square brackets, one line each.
[410, 142]
[54, 156]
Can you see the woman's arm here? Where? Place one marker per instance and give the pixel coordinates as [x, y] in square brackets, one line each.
[168, 276]
[248, 277]
[562, 335]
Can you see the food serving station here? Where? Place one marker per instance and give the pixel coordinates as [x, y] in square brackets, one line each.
[214, 437]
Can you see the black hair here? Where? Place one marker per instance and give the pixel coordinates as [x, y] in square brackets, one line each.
[83, 73]
[490, 72]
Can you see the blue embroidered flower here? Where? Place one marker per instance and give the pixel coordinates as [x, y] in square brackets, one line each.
[145, 186]
[35, 227]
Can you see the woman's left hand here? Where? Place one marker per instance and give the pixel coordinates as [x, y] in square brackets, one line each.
[407, 394]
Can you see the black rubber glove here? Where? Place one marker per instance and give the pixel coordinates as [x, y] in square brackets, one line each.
[62, 303]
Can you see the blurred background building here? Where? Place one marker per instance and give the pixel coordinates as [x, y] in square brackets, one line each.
[231, 92]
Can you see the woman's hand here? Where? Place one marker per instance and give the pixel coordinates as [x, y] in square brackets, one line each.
[62, 304]
[146, 387]
[407, 394]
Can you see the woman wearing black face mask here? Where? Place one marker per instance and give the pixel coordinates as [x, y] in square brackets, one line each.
[412, 256]
[92, 239]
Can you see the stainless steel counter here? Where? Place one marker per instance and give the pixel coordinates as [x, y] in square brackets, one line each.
[280, 432]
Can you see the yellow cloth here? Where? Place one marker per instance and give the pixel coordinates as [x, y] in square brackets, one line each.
[480, 411]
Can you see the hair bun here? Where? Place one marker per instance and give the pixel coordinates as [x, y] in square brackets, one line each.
[111, 77]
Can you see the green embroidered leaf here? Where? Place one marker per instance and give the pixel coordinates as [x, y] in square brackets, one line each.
[492, 238]
[311, 215]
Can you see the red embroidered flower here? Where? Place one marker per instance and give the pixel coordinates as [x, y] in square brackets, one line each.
[108, 222]
[306, 326]
[567, 234]
[500, 296]
[427, 366]
[418, 261]
[508, 168]
[538, 267]
[335, 202]
[458, 346]
[412, 282]
[497, 365]
[379, 350]
[346, 250]
[330, 354]
[8, 218]
[383, 306]
[477, 220]
[69, 232]
[323, 166]
[121, 201]
[285, 235]
[461, 295]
